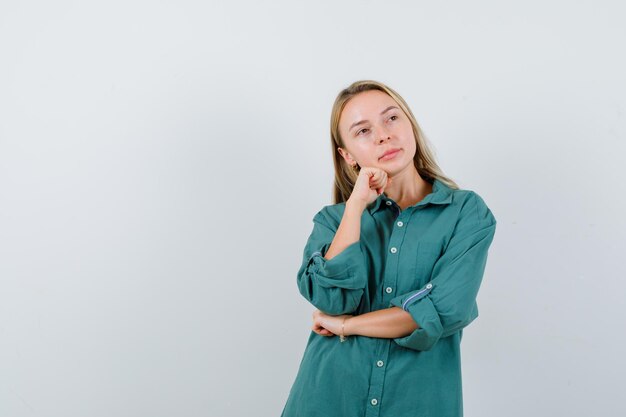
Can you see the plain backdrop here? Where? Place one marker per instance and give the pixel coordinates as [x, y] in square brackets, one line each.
[161, 163]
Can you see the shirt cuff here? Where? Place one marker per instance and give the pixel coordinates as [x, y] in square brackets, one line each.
[422, 310]
[343, 266]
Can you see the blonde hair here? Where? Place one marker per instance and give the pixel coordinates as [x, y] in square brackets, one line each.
[345, 175]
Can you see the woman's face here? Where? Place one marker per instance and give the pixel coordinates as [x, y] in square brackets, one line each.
[372, 124]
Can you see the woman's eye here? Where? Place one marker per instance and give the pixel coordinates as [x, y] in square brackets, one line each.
[362, 130]
[392, 117]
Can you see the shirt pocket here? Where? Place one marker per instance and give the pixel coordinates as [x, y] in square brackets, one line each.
[426, 256]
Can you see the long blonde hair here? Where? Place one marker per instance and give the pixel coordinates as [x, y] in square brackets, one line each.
[345, 175]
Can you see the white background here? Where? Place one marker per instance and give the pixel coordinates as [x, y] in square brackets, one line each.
[161, 162]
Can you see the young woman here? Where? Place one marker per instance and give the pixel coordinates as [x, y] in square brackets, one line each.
[393, 267]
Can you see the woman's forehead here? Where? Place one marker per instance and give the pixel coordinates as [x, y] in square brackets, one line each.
[369, 99]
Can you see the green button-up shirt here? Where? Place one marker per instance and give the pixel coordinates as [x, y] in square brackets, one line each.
[427, 259]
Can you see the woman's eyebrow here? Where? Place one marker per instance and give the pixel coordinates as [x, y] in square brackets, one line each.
[360, 122]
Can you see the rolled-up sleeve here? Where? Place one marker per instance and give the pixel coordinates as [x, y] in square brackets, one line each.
[447, 303]
[335, 286]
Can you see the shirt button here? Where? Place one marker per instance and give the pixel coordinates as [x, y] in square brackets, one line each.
[429, 285]
[380, 363]
[400, 224]
[388, 289]
[393, 250]
[374, 401]
[388, 202]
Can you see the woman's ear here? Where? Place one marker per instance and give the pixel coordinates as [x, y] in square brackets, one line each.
[346, 156]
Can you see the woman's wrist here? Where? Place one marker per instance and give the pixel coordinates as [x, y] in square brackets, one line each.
[348, 326]
[356, 205]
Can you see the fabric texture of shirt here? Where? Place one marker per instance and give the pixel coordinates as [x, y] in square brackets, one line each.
[427, 259]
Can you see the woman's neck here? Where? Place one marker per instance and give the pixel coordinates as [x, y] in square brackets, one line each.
[408, 188]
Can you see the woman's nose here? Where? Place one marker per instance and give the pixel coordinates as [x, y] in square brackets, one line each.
[383, 136]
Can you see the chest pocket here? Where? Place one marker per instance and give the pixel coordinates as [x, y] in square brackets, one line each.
[427, 254]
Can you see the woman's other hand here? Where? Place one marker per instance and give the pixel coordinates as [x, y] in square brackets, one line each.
[327, 325]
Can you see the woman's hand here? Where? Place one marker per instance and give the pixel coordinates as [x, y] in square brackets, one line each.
[370, 183]
[327, 325]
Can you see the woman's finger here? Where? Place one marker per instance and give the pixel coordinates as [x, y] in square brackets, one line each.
[322, 331]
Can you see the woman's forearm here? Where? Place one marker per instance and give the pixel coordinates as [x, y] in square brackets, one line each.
[386, 323]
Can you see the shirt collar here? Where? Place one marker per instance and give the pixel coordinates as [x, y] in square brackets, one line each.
[441, 194]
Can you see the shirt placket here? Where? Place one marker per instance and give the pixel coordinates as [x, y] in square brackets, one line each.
[389, 285]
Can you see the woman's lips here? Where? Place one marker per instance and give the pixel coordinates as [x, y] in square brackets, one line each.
[390, 155]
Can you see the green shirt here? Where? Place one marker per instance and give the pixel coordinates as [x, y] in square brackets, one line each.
[427, 259]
